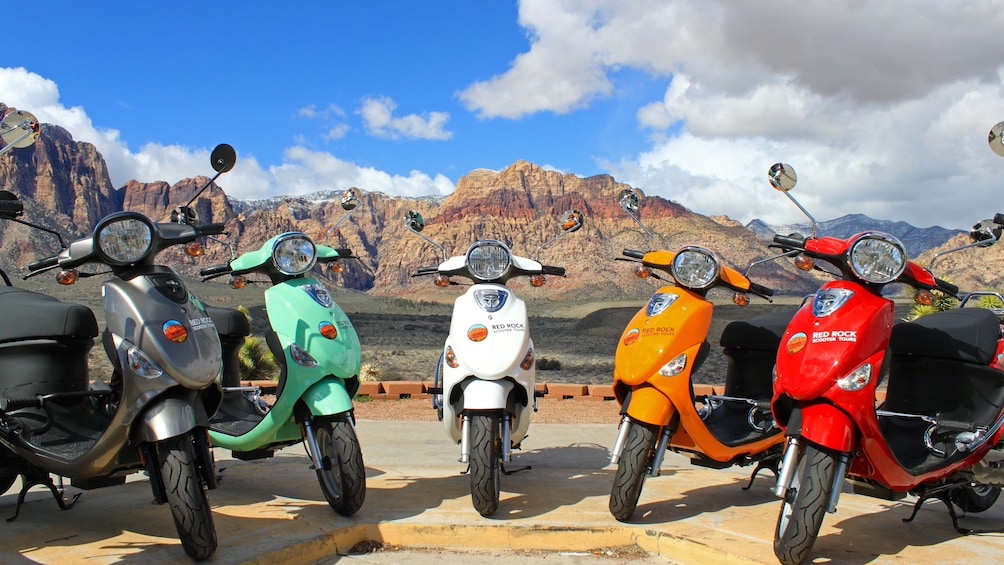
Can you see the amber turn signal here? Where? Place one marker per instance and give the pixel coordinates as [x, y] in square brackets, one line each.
[740, 299]
[642, 272]
[804, 262]
[538, 280]
[442, 280]
[195, 249]
[238, 282]
[68, 276]
[336, 267]
[924, 297]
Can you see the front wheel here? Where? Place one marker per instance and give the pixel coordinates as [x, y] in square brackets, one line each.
[486, 465]
[186, 496]
[804, 505]
[342, 475]
[976, 498]
[638, 451]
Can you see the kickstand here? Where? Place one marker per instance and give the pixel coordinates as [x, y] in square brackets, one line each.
[42, 479]
[763, 465]
[946, 498]
[523, 468]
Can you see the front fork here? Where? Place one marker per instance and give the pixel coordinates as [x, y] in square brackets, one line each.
[465, 438]
[660, 450]
[789, 464]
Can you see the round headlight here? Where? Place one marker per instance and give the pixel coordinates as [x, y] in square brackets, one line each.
[124, 241]
[488, 260]
[695, 267]
[877, 257]
[294, 254]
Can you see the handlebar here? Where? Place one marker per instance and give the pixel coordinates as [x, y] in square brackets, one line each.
[551, 270]
[427, 270]
[760, 289]
[12, 404]
[215, 270]
[633, 254]
[946, 287]
[211, 229]
[791, 241]
[46, 263]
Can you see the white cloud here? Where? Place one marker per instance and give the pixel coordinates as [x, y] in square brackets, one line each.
[302, 171]
[378, 116]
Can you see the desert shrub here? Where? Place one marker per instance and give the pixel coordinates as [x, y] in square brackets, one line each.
[369, 372]
[545, 364]
[257, 362]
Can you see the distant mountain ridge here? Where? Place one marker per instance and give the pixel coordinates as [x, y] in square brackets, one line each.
[917, 240]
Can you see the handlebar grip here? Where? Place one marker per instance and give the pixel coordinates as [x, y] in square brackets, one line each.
[999, 218]
[946, 286]
[215, 270]
[427, 270]
[633, 253]
[794, 240]
[343, 252]
[212, 229]
[551, 270]
[12, 404]
[43, 264]
[954, 426]
[11, 207]
[760, 289]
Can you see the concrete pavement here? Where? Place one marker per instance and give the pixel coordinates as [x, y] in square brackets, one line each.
[272, 511]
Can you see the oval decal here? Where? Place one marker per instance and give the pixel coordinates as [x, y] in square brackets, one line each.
[631, 336]
[796, 343]
[477, 332]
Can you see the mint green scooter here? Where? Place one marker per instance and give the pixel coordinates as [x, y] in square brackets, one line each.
[318, 352]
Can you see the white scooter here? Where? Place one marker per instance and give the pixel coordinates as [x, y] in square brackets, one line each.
[488, 367]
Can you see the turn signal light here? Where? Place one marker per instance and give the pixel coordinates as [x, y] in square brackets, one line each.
[804, 262]
[69, 276]
[527, 361]
[451, 358]
[238, 282]
[336, 267]
[924, 297]
[195, 249]
[538, 280]
[740, 299]
[442, 280]
[642, 272]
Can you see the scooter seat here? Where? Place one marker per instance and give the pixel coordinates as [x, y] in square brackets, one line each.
[31, 315]
[965, 334]
[229, 322]
[760, 333]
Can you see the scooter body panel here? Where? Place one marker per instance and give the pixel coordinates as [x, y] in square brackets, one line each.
[489, 347]
[296, 309]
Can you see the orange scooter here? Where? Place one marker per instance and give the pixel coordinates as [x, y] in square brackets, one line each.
[661, 348]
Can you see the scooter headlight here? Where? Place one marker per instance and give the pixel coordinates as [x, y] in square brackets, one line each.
[488, 260]
[877, 257]
[124, 239]
[294, 253]
[695, 267]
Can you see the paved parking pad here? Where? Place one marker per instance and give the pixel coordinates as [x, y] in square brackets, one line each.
[418, 507]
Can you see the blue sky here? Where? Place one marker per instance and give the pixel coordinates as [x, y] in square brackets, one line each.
[882, 109]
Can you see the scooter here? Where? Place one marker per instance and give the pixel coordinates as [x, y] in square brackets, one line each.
[937, 435]
[658, 353]
[153, 416]
[319, 355]
[487, 369]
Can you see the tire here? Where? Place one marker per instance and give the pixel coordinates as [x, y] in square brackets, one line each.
[632, 469]
[342, 467]
[804, 505]
[976, 498]
[486, 465]
[186, 496]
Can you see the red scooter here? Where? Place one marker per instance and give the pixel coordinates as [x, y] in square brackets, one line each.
[937, 434]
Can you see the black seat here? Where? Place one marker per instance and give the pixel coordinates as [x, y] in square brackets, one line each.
[30, 315]
[762, 333]
[964, 334]
[229, 322]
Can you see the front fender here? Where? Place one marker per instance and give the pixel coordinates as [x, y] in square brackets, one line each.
[480, 394]
[824, 424]
[170, 416]
[327, 396]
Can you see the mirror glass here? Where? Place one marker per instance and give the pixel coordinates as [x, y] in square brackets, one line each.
[16, 124]
[782, 177]
[223, 158]
[996, 143]
[630, 199]
[414, 221]
[350, 199]
[986, 230]
[571, 220]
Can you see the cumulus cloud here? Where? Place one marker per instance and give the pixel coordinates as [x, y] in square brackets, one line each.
[378, 116]
[302, 171]
[883, 109]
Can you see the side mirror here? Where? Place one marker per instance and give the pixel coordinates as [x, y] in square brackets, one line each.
[996, 143]
[986, 233]
[10, 206]
[350, 199]
[18, 129]
[782, 177]
[630, 199]
[223, 158]
[571, 221]
[414, 221]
